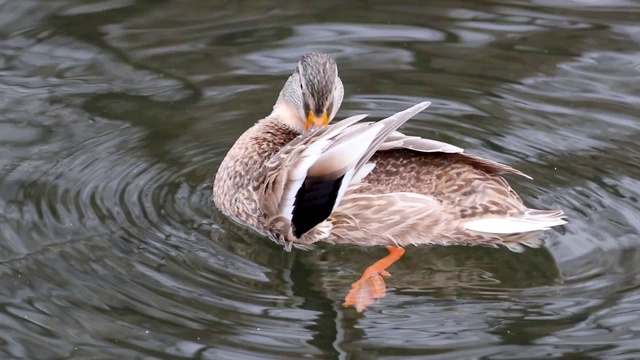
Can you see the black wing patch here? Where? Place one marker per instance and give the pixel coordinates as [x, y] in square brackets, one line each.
[314, 201]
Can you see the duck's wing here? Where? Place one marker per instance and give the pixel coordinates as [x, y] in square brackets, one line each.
[398, 140]
[308, 177]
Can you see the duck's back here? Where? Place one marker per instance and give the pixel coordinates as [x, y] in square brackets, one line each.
[466, 186]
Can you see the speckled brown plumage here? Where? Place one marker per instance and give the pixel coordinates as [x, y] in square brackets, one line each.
[238, 180]
[466, 187]
[463, 185]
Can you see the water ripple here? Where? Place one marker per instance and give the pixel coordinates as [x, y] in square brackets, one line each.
[115, 115]
[110, 204]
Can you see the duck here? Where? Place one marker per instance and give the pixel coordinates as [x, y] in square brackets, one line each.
[300, 179]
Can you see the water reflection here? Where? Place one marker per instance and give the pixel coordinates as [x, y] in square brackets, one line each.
[115, 114]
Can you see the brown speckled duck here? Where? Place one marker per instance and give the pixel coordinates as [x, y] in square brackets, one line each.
[299, 180]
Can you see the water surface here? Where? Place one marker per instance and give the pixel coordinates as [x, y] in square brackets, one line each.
[114, 116]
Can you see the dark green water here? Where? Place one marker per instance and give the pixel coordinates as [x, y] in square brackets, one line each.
[114, 116]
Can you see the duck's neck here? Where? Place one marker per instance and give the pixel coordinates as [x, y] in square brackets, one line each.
[286, 114]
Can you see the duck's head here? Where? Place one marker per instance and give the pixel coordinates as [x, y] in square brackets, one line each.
[312, 95]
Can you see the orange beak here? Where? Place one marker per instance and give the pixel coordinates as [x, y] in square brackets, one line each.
[316, 121]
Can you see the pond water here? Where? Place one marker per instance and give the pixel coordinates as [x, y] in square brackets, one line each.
[115, 114]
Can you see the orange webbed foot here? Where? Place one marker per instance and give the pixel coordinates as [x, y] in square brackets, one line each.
[371, 285]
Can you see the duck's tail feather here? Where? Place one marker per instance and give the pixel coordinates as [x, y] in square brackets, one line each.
[531, 220]
[516, 231]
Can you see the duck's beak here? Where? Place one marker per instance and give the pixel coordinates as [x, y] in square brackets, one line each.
[316, 121]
